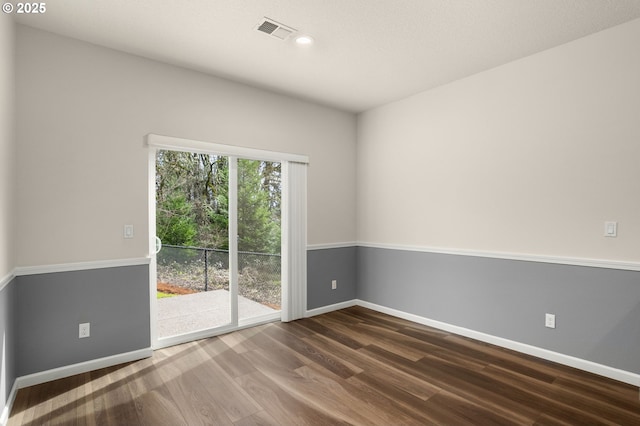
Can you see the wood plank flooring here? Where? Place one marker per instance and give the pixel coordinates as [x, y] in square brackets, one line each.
[353, 366]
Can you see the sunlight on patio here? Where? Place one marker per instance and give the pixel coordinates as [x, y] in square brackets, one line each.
[198, 311]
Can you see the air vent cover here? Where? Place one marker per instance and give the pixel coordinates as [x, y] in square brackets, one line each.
[274, 29]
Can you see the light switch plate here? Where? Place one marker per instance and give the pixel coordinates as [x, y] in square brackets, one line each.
[128, 231]
[611, 229]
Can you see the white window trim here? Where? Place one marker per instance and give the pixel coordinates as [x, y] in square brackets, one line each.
[179, 144]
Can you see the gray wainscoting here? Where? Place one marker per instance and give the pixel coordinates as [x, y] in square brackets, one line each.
[325, 265]
[597, 309]
[115, 301]
[8, 314]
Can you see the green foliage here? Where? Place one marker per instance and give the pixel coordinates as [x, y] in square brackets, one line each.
[258, 229]
[161, 295]
[192, 198]
[175, 224]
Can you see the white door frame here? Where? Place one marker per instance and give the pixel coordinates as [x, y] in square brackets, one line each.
[293, 223]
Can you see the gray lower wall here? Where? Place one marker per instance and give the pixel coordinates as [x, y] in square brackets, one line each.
[8, 370]
[597, 310]
[326, 265]
[51, 306]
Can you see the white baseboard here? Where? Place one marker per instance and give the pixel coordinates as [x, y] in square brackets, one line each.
[581, 364]
[330, 308]
[82, 367]
[4, 416]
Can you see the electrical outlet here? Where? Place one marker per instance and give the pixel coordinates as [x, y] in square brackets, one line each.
[550, 320]
[334, 284]
[84, 330]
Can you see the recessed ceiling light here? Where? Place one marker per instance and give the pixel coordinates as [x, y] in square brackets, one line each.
[304, 40]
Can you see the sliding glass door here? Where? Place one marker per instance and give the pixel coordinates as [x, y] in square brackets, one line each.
[219, 219]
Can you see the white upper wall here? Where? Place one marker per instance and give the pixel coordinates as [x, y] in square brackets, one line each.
[7, 143]
[528, 158]
[83, 112]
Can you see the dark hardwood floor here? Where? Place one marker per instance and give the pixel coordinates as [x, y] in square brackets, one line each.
[353, 366]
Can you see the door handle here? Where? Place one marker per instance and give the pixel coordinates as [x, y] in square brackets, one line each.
[158, 245]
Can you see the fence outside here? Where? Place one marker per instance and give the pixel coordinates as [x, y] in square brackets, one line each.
[197, 269]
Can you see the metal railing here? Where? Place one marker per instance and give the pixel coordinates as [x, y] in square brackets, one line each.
[197, 269]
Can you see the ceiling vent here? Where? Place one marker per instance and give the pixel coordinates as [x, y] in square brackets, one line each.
[274, 29]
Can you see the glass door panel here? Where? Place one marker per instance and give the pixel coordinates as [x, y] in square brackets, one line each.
[259, 229]
[192, 216]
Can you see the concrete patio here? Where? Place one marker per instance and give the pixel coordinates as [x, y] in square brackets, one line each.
[198, 311]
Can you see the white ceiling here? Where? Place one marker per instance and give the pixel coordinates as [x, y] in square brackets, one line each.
[366, 52]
